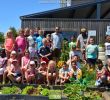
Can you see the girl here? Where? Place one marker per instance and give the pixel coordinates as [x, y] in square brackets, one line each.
[30, 73]
[91, 52]
[14, 73]
[51, 73]
[9, 43]
[21, 44]
[25, 61]
[42, 72]
[100, 73]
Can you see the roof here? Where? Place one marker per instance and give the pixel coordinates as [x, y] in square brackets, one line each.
[84, 10]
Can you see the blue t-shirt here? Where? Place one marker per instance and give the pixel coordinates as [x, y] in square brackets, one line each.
[39, 42]
[92, 51]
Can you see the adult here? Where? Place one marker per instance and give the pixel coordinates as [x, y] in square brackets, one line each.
[57, 39]
[82, 41]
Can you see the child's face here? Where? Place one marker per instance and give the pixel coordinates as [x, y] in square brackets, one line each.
[65, 66]
[91, 41]
[73, 65]
[100, 65]
[26, 53]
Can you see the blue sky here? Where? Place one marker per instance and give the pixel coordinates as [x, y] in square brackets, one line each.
[11, 10]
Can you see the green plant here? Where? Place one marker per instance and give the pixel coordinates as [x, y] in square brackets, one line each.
[45, 92]
[11, 90]
[31, 90]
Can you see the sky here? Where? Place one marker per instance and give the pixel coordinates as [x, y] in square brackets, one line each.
[11, 10]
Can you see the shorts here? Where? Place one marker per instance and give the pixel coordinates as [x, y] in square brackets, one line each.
[56, 52]
[91, 61]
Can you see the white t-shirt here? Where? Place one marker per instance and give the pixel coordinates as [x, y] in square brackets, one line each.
[107, 48]
[82, 41]
[30, 40]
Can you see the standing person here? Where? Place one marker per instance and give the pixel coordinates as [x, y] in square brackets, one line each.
[91, 53]
[82, 41]
[45, 52]
[57, 39]
[107, 47]
[21, 43]
[9, 43]
[26, 32]
[49, 41]
[72, 42]
[31, 44]
[36, 33]
[39, 40]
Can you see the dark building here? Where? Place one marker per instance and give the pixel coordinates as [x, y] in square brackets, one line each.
[92, 14]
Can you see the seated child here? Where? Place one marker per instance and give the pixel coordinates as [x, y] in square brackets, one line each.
[76, 72]
[42, 73]
[14, 72]
[30, 73]
[51, 73]
[64, 73]
[100, 73]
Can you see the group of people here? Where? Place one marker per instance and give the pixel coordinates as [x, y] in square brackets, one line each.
[32, 57]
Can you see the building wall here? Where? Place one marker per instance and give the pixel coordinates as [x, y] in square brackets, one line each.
[69, 25]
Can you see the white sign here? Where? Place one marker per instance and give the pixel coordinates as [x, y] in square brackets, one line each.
[108, 33]
[108, 28]
[91, 32]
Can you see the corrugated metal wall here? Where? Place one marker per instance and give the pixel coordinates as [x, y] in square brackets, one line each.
[69, 25]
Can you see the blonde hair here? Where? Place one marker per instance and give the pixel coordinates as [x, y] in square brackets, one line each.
[9, 31]
[51, 62]
[41, 32]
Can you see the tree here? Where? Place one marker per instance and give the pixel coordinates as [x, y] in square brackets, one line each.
[2, 38]
[14, 31]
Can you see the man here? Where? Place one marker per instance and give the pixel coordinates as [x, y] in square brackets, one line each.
[57, 39]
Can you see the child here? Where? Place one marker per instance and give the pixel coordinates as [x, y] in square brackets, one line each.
[91, 53]
[76, 72]
[107, 47]
[30, 73]
[31, 43]
[13, 56]
[100, 73]
[14, 72]
[25, 61]
[21, 43]
[9, 43]
[51, 72]
[64, 73]
[42, 73]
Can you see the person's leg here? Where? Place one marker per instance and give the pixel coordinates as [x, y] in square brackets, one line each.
[11, 77]
[54, 78]
[4, 76]
[49, 78]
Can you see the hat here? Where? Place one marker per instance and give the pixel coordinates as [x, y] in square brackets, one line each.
[83, 29]
[32, 63]
[13, 52]
[43, 62]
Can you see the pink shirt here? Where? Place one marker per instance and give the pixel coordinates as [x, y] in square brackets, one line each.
[21, 43]
[9, 43]
[25, 60]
